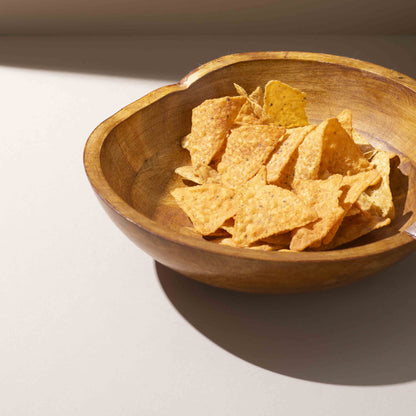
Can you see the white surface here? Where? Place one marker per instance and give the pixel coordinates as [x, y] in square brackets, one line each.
[91, 326]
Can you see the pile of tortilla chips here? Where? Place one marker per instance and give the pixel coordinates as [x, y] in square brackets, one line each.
[263, 178]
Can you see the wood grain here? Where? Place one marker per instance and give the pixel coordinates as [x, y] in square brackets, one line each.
[131, 157]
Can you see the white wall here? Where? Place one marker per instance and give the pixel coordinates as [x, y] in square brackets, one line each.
[208, 16]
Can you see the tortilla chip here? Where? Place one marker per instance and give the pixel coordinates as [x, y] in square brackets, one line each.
[185, 141]
[354, 227]
[354, 210]
[255, 246]
[377, 200]
[310, 154]
[208, 205]
[353, 187]
[278, 241]
[284, 152]
[285, 105]
[202, 175]
[228, 226]
[248, 148]
[211, 124]
[323, 196]
[340, 154]
[365, 147]
[345, 119]
[252, 110]
[272, 210]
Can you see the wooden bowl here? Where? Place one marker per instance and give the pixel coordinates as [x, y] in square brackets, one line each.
[130, 160]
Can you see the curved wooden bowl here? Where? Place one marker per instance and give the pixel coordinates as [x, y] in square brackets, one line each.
[130, 159]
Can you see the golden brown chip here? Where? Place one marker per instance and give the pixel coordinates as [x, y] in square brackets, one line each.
[272, 210]
[252, 110]
[278, 241]
[255, 246]
[323, 196]
[354, 227]
[285, 105]
[353, 187]
[365, 147]
[284, 151]
[248, 148]
[211, 124]
[200, 176]
[345, 119]
[354, 210]
[208, 205]
[340, 154]
[248, 190]
[309, 156]
[185, 141]
[228, 226]
[377, 200]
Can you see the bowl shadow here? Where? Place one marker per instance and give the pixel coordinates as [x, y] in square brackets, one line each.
[361, 334]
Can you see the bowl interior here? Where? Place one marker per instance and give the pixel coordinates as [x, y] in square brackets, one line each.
[140, 154]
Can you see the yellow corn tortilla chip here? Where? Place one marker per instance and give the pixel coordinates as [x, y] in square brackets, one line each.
[309, 155]
[247, 149]
[340, 154]
[323, 196]
[377, 200]
[354, 227]
[202, 175]
[252, 110]
[278, 241]
[284, 151]
[185, 141]
[365, 147]
[272, 210]
[354, 210]
[248, 190]
[228, 226]
[345, 119]
[211, 124]
[285, 105]
[255, 246]
[353, 187]
[208, 205]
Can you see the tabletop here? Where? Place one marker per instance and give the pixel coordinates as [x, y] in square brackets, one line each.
[91, 325]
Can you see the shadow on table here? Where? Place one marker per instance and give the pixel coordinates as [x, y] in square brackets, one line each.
[171, 57]
[361, 334]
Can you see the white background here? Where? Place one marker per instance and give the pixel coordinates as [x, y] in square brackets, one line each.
[90, 325]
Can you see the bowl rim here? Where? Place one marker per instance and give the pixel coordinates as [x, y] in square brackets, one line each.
[93, 146]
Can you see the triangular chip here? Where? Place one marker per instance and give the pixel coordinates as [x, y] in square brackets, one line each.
[323, 196]
[365, 147]
[228, 241]
[309, 156]
[247, 149]
[353, 227]
[208, 205]
[202, 175]
[353, 187]
[211, 124]
[272, 210]
[340, 154]
[284, 152]
[278, 241]
[285, 105]
[345, 119]
[377, 200]
[252, 110]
